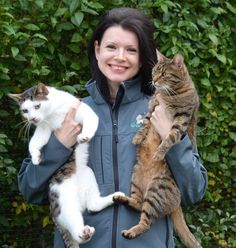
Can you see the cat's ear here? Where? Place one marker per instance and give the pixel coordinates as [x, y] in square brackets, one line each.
[41, 90]
[16, 97]
[179, 61]
[160, 56]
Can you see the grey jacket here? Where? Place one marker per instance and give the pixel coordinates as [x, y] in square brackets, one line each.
[112, 157]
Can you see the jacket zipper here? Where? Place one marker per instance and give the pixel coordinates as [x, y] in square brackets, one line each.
[116, 172]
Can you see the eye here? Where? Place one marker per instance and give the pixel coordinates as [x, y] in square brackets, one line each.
[132, 50]
[37, 106]
[111, 47]
[25, 111]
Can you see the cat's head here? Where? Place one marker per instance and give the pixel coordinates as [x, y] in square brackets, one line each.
[170, 75]
[33, 103]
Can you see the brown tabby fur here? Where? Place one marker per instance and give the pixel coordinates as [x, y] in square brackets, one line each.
[154, 191]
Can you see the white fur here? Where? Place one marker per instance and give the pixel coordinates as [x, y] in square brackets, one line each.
[50, 116]
[80, 191]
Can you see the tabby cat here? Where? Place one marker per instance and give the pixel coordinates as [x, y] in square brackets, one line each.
[153, 190]
[73, 188]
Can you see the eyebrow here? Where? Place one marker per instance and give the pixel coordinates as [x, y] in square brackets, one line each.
[115, 43]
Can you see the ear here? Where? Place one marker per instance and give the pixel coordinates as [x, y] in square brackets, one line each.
[16, 97]
[41, 90]
[178, 61]
[160, 56]
[96, 49]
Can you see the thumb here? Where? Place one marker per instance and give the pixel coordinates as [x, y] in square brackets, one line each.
[72, 111]
[160, 101]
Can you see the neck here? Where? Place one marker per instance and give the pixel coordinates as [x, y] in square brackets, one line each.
[113, 89]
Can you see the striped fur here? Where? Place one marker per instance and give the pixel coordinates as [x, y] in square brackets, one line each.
[153, 191]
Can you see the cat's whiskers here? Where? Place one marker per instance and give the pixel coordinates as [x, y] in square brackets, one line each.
[26, 128]
[22, 122]
[169, 91]
[27, 131]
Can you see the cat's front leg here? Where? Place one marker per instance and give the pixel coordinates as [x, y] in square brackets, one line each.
[142, 132]
[38, 140]
[89, 120]
[173, 137]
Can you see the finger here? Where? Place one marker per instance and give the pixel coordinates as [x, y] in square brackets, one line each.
[76, 104]
[70, 114]
[72, 111]
[160, 100]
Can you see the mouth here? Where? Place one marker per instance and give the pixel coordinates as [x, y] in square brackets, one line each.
[118, 68]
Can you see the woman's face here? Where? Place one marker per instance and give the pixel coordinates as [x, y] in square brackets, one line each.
[118, 55]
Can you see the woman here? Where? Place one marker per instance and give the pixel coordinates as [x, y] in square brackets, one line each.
[121, 53]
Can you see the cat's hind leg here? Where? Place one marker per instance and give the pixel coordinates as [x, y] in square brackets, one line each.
[98, 203]
[143, 226]
[94, 201]
[135, 200]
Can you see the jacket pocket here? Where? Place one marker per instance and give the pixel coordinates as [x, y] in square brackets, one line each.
[100, 158]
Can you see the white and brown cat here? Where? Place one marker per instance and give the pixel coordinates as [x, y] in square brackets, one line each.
[73, 188]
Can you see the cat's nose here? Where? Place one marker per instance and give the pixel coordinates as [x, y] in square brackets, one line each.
[34, 120]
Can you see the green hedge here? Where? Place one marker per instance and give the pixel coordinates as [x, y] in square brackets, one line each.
[47, 41]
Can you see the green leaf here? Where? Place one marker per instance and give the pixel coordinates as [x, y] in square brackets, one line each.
[221, 58]
[44, 71]
[74, 5]
[213, 38]
[231, 8]
[232, 136]
[60, 12]
[32, 27]
[76, 37]
[40, 36]
[14, 51]
[20, 57]
[77, 18]
[205, 82]
[65, 26]
[164, 7]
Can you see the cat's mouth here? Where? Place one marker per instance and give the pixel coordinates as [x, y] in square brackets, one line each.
[34, 121]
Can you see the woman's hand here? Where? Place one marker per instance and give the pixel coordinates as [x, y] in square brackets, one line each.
[161, 119]
[67, 133]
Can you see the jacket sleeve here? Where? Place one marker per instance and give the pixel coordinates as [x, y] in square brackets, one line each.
[189, 173]
[33, 180]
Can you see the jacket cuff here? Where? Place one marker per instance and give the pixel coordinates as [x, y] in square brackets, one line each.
[54, 149]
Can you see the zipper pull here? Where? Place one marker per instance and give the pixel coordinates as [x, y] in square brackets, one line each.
[115, 132]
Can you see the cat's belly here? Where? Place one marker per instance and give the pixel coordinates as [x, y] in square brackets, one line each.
[74, 190]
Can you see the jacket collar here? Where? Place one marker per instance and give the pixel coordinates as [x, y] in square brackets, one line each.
[132, 91]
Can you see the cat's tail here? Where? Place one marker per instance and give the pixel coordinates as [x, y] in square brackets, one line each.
[182, 229]
[82, 153]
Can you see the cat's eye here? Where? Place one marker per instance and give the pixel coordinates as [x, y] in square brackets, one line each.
[37, 106]
[25, 111]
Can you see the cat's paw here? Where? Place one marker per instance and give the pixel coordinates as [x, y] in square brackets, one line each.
[128, 234]
[86, 234]
[137, 139]
[81, 138]
[36, 157]
[120, 197]
[159, 155]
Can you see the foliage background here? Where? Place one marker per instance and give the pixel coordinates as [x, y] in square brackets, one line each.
[47, 41]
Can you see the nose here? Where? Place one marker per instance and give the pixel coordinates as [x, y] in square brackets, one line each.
[120, 55]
